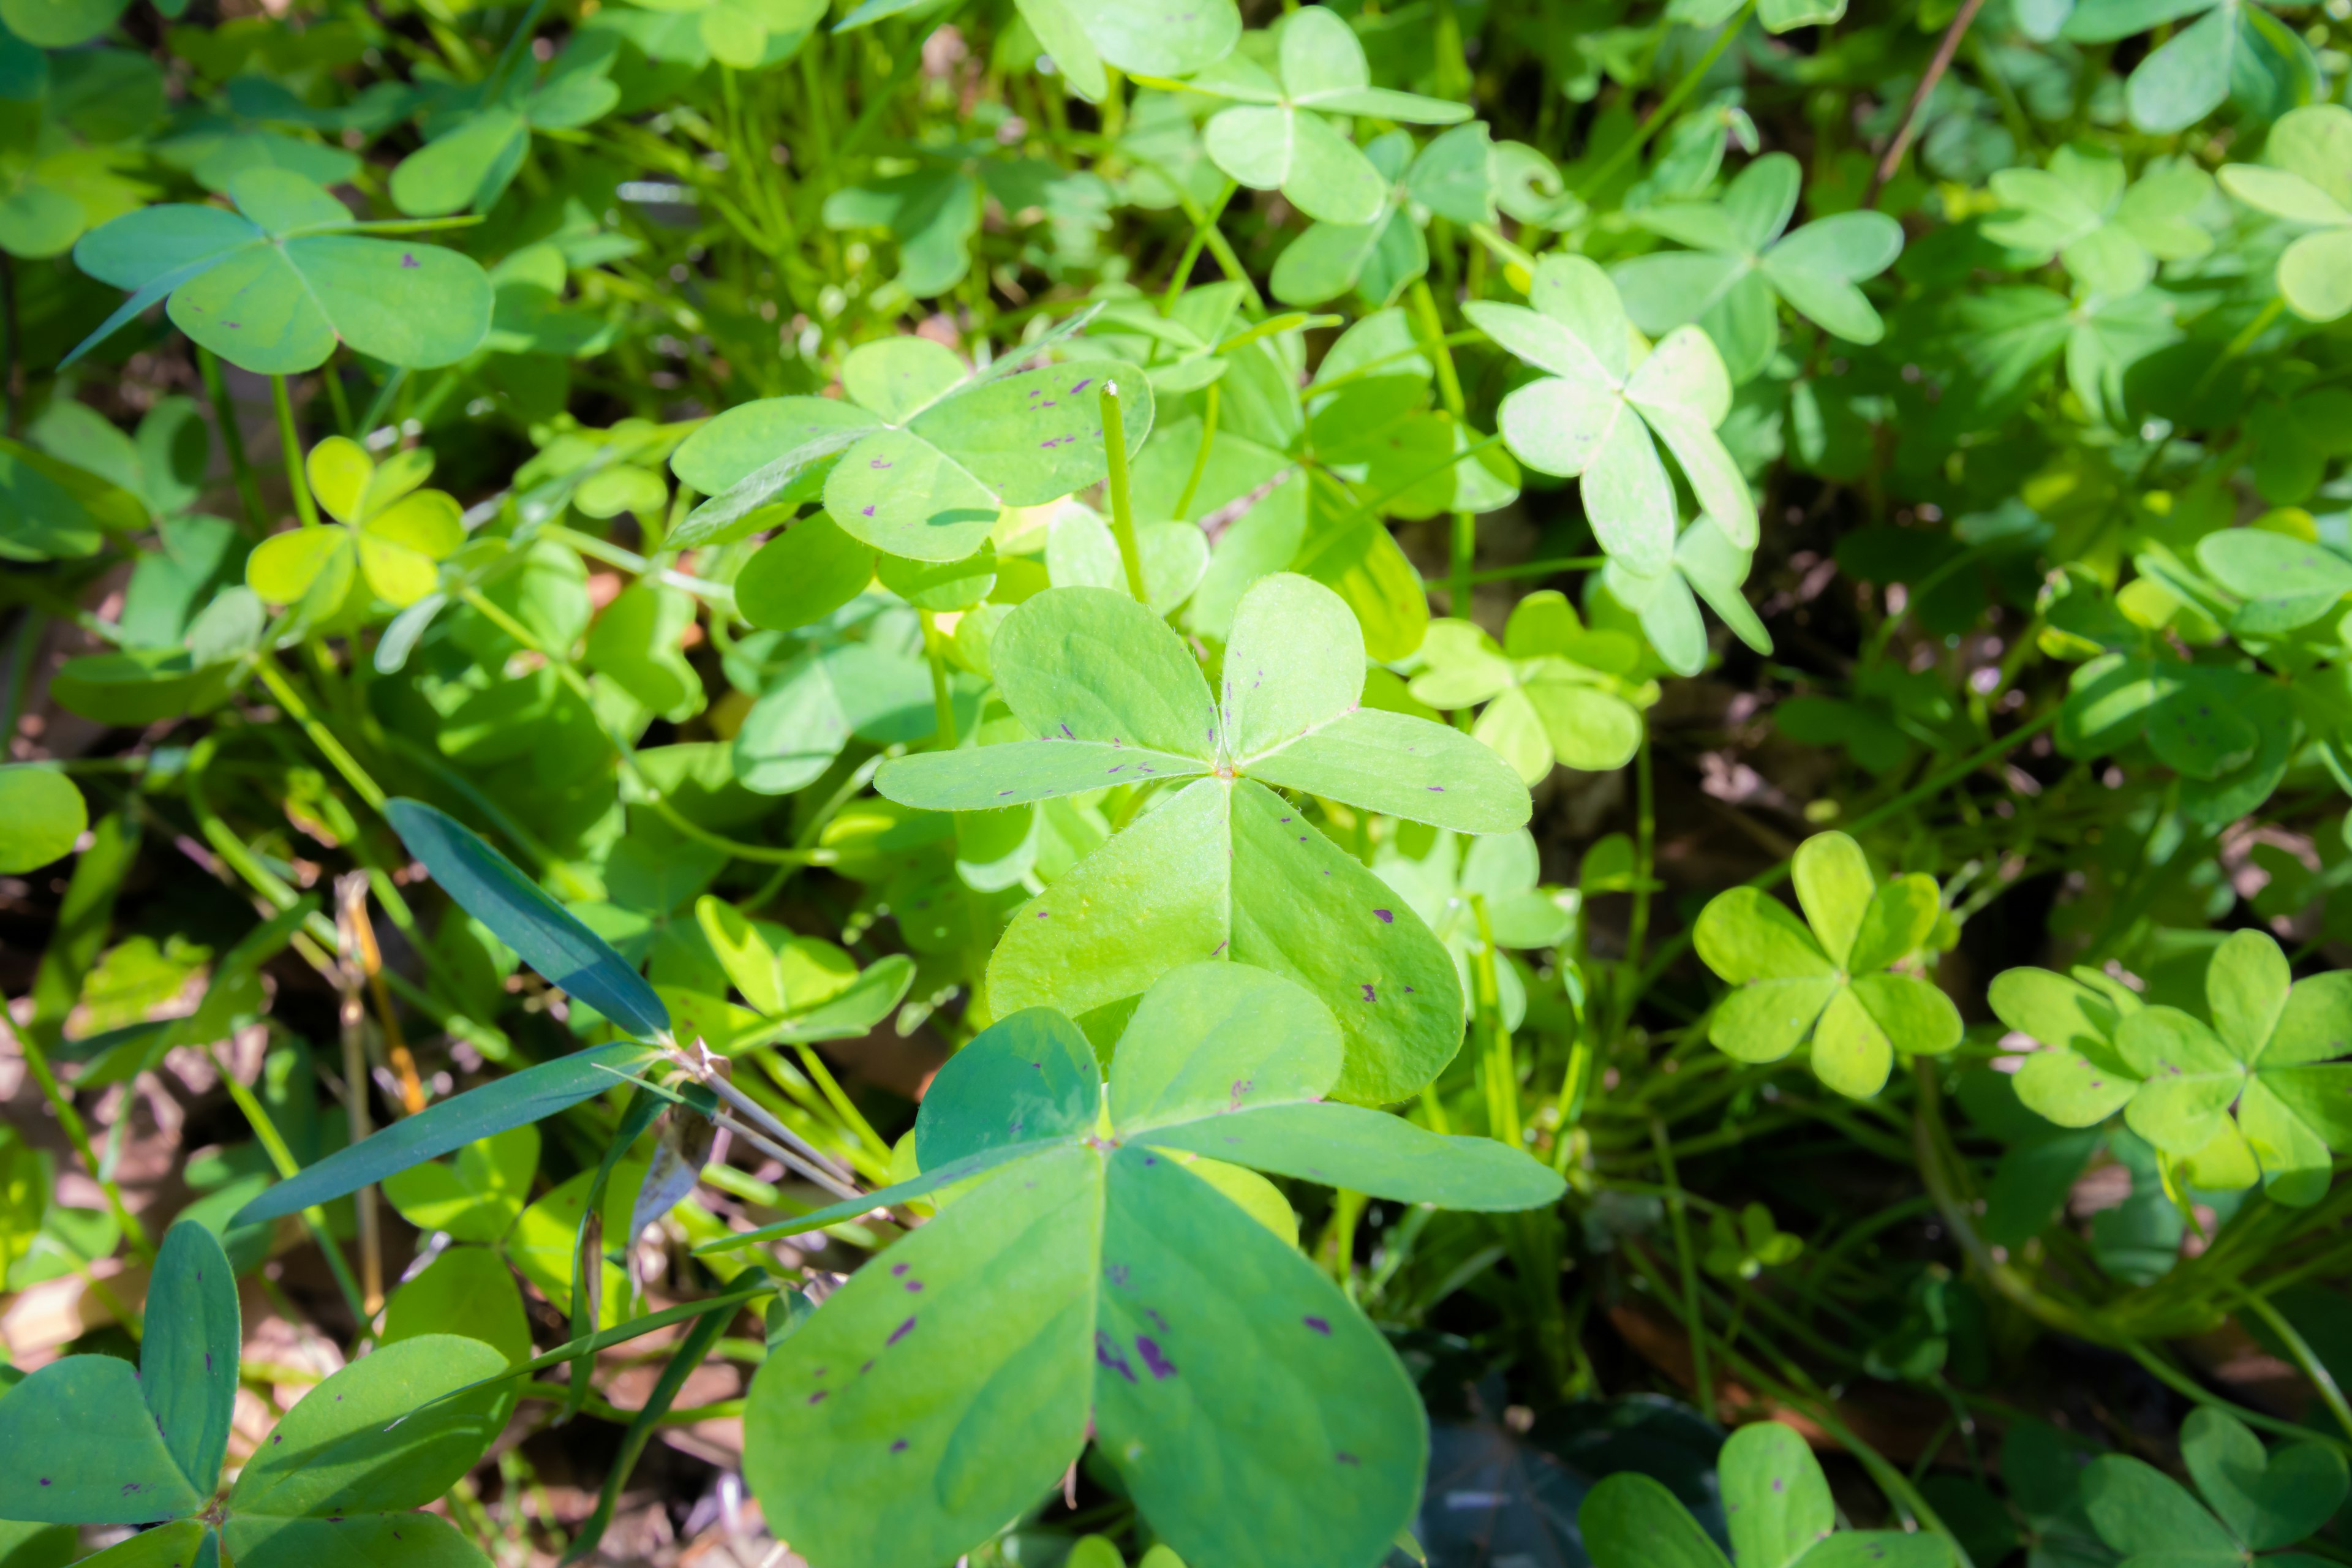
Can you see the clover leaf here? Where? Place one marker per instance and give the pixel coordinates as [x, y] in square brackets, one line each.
[2108, 229]
[1594, 415]
[1275, 136]
[274, 285]
[2285, 582]
[2258, 1091]
[2262, 1499]
[920, 456]
[1452, 177]
[801, 989]
[1706, 565]
[1745, 1249]
[1776, 1502]
[2188, 77]
[1829, 977]
[1457, 880]
[42, 816]
[392, 532]
[1221, 866]
[88, 1440]
[1742, 259]
[2305, 179]
[1554, 692]
[1090, 1264]
[481, 132]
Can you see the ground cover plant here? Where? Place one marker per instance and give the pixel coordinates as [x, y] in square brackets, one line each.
[1082, 781]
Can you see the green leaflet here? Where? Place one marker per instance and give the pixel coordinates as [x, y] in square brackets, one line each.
[1597, 416]
[920, 465]
[475, 1197]
[78, 1445]
[1776, 1500]
[275, 289]
[378, 1436]
[42, 816]
[1828, 975]
[1276, 136]
[187, 1359]
[1222, 868]
[1554, 693]
[1743, 259]
[1087, 1272]
[2258, 1091]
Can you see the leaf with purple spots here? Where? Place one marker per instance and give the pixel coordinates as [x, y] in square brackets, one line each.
[278, 285]
[78, 1445]
[187, 1359]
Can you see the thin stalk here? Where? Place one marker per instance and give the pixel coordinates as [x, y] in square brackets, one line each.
[1702, 1374]
[1122, 509]
[2312, 1367]
[1501, 1068]
[717, 1083]
[78, 1132]
[281, 1158]
[776, 1150]
[240, 466]
[1942, 62]
[1541, 568]
[1667, 106]
[1201, 457]
[377, 406]
[350, 890]
[10, 327]
[290, 440]
[1205, 221]
[843, 1106]
[934, 654]
[321, 736]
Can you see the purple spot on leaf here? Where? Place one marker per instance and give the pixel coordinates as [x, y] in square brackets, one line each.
[1159, 1364]
[1386, 917]
[1320, 1325]
[901, 1332]
[1107, 1353]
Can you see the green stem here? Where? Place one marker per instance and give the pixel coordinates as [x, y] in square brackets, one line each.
[321, 736]
[1202, 223]
[240, 466]
[1541, 568]
[934, 654]
[2312, 1367]
[1702, 1374]
[1122, 509]
[281, 1158]
[1201, 459]
[290, 441]
[1668, 105]
[78, 1133]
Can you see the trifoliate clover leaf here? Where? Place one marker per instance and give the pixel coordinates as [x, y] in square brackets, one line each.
[1091, 1262]
[1706, 566]
[2260, 1090]
[274, 285]
[2226, 50]
[802, 988]
[1742, 259]
[1452, 177]
[392, 532]
[1597, 411]
[2263, 1498]
[1554, 690]
[1745, 1249]
[477, 145]
[1276, 137]
[1456, 879]
[2109, 230]
[1221, 866]
[921, 457]
[2287, 582]
[2305, 179]
[2196, 718]
[88, 1439]
[1829, 977]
